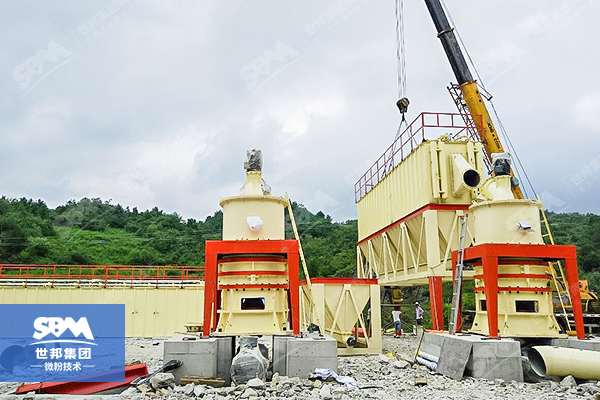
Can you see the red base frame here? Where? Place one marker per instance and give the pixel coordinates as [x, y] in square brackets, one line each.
[214, 249]
[490, 255]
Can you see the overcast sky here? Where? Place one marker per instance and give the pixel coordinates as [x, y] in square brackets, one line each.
[150, 103]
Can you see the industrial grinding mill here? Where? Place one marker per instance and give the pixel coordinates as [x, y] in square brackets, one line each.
[252, 283]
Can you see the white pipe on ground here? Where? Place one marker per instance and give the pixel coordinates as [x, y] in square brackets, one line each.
[563, 361]
[429, 364]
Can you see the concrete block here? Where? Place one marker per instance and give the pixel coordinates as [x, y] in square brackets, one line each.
[488, 358]
[279, 354]
[431, 343]
[496, 349]
[496, 359]
[209, 357]
[587, 344]
[299, 357]
[455, 354]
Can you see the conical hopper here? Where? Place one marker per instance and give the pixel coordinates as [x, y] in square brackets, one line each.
[340, 304]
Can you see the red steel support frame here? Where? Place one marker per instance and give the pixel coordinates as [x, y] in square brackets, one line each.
[436, 299]
[216, 248]
[491, 254]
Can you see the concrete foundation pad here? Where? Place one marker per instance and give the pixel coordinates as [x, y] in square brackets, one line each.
[205, 357]
[573, 343]
[294, 356]
[489, 358]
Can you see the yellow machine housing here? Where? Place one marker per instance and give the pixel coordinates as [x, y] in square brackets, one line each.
[251, 204]
[253, 296]
[503, 219]
[408, 222]
[340, 304]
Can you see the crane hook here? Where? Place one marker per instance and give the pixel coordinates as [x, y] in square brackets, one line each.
[403, 105]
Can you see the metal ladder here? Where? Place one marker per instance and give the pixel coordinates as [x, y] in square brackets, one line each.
[309, 293]
[458, 276]
[559, 284]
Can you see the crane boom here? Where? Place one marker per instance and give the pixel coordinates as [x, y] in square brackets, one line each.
[468, 86]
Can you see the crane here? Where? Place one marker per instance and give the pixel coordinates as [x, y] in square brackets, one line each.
[472, 100]
[472, 97]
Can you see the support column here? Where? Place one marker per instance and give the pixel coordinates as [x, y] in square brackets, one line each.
[210, 290]
[294, 288]
[375, 329]
[436, 300]
[573, 284]
[490, 281]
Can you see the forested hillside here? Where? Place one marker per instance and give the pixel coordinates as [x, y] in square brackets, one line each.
[584, 232]
[91, 231]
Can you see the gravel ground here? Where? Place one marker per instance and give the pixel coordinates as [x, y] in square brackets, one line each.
[377, 377]
[149, 351]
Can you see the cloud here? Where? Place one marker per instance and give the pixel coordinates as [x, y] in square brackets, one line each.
[586, 111]
[294, 116]
[153, 111]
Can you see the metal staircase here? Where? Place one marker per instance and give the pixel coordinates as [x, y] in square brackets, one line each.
[458, 276]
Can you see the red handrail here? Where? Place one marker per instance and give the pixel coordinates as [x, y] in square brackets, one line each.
[105, 273]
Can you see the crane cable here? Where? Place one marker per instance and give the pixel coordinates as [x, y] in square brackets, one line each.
[401, 60]
[510, 146]
[400, 49]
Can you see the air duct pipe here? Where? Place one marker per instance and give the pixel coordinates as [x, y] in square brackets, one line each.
[497, 188]
[464, 176]
[562, 361]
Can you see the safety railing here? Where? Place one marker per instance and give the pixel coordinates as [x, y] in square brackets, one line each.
[405, 143]
[98, 275]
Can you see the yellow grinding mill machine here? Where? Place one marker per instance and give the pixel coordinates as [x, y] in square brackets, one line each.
[510, 260]
[252, 283]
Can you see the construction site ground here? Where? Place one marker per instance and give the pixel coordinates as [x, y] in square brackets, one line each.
[378, 376]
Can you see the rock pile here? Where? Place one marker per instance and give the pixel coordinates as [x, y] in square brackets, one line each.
[383, 376]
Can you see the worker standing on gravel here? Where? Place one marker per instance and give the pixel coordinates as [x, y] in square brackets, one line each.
[419, 314]
[397, 316]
